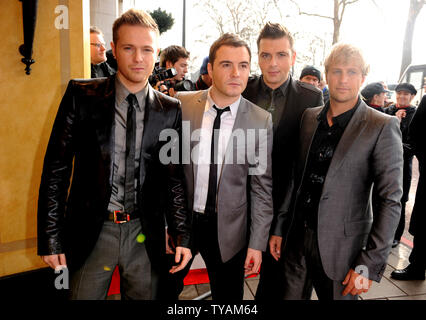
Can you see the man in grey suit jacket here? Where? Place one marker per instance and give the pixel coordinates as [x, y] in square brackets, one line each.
[228, 177]
[331, 240]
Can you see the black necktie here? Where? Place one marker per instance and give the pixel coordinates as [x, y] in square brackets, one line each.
[129, 182]
[211, 194]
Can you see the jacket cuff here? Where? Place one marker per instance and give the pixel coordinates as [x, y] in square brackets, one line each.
[183, 241]
[50, 247]
[371, 271]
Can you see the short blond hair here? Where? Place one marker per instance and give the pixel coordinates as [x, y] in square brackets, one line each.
[134, 17]
[343, 53]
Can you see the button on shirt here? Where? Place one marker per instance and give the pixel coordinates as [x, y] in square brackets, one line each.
[201, 156]
[321, 153]
[119, 130]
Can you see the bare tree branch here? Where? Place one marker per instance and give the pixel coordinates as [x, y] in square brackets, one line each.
[351, 2]
[309, 14]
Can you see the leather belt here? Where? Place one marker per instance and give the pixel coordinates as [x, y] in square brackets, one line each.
[202, 217]
[118, 216]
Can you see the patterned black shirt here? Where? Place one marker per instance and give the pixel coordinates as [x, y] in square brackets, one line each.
[324, 144]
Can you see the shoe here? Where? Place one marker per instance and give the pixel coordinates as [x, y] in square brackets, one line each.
[395, 243]
[409, 273]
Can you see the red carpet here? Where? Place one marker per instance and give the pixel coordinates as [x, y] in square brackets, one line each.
[114, 287]
[194, 276]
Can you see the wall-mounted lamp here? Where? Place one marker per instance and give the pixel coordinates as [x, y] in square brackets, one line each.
[29, 15]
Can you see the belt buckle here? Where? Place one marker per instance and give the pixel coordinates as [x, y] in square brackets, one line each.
[121, 217]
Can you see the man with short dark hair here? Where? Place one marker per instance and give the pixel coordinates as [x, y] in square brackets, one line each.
[98, 65]
[329, 237]
[105, 140]
[228, 178]
[374, 95]
[404, 111]
[311, 75]
[175, 57]
[285, 98]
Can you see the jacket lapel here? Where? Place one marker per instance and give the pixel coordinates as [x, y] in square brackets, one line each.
[354, 128]
[197, 113]
[308, 129]
[103, 117]
[153, 124]
[239, 123]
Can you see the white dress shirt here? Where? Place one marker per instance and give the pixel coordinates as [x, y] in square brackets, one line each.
[202, 159]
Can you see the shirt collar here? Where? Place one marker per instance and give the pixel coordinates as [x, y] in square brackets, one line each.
[121, 93]
[233, 106]
[402, 107]
[341, 120]
[282, 87]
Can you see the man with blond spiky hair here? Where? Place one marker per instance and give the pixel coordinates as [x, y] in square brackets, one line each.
[330, 239]
[105, 140]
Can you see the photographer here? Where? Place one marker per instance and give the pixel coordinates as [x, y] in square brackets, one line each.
[174, 57]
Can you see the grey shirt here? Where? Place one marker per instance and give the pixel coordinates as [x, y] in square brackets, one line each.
[116, 201]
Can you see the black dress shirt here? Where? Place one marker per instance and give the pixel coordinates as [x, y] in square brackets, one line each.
[272, 100]
[324, 144]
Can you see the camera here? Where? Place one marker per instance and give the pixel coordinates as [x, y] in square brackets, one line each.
[183, 85]
[160, 74]
[166, 75]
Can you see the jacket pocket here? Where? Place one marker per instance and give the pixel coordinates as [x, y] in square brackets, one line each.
[355, 228]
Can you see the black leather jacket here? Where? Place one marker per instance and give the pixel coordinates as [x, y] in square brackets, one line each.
[69, 221]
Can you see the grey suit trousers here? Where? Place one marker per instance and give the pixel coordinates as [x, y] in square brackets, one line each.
[304, 271]
[117, 245]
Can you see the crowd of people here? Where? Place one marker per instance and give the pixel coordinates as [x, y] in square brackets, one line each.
[317, 200]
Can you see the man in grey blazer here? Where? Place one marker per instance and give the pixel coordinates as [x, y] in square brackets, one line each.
[331, 241]
[228, 170]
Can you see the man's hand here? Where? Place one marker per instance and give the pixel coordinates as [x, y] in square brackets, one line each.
[275, 246]
[185, 254]
[354, 284]
[253, 261]
[172, 92]
[55, 260]
[170, 246]
[401, 114]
